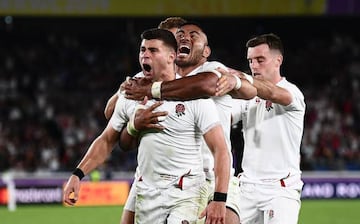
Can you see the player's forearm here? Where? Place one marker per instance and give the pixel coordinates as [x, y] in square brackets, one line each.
[96, 155]
[222, 171]
[247, 91]
[216, 141]
[268, 91]
[202, 85]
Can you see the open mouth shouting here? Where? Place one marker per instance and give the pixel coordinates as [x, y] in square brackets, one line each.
[183, 51]
[256, 74]
[147, 70]
[147, 67]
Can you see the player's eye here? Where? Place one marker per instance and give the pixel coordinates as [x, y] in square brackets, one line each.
[180, 35]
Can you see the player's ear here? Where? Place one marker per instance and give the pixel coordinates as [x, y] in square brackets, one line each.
[279, 60]
[206, 52]
[172, 57]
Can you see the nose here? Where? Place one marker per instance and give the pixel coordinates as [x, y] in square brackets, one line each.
[253, 64]
[145, 53]
[185, 36]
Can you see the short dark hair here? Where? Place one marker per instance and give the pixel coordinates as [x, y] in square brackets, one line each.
[272, 40]
[171, 22]
[160, 34]
[194, 24]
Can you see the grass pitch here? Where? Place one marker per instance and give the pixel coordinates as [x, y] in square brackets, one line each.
[58, 214]
[312, 212]
[330, 211]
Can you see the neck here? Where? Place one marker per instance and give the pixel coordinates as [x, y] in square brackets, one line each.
[185, 70]
[166, 75]
[277, 78]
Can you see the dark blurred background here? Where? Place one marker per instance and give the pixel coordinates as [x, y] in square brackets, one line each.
[61, 60]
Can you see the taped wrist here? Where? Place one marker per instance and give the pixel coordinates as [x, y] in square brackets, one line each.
[156, 90]
[130, 127]
[249, 78]
[238, 82]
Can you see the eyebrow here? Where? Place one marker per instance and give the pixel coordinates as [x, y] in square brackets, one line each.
[191, 32]
[256, 58]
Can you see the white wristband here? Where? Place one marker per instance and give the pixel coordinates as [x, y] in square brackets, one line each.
[249, 78]
[130, 127]
[238, 82]
[156, 90]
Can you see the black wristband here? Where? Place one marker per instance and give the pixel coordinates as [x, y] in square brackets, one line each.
[218, 196]
[79, 173]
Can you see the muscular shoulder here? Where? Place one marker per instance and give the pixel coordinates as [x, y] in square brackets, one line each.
[292, 88]
[211, 65]
[298, 100]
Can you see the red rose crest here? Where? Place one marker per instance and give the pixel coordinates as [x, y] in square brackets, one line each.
[268, 105]
[180, 109]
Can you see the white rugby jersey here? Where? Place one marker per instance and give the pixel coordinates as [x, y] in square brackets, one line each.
[272, 136]
[176, 150]
[223, 107]
[125, 119]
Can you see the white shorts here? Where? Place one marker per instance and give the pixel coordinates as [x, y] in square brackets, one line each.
[171, 205]
[233, 194]
[130, 201]
[268, 204]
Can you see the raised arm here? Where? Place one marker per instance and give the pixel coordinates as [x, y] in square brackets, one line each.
[202, 85]
[236, 84]
[268, 91]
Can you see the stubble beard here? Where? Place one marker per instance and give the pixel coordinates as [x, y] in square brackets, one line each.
[192, 61]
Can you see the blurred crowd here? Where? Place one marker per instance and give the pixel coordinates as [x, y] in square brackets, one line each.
[54, 87]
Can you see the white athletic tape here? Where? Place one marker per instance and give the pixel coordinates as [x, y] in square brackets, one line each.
[156, 90]
[249, 78]
[238, 82]
[130, 127]
[161, 118]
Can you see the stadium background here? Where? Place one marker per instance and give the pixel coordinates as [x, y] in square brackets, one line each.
[60, 60]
